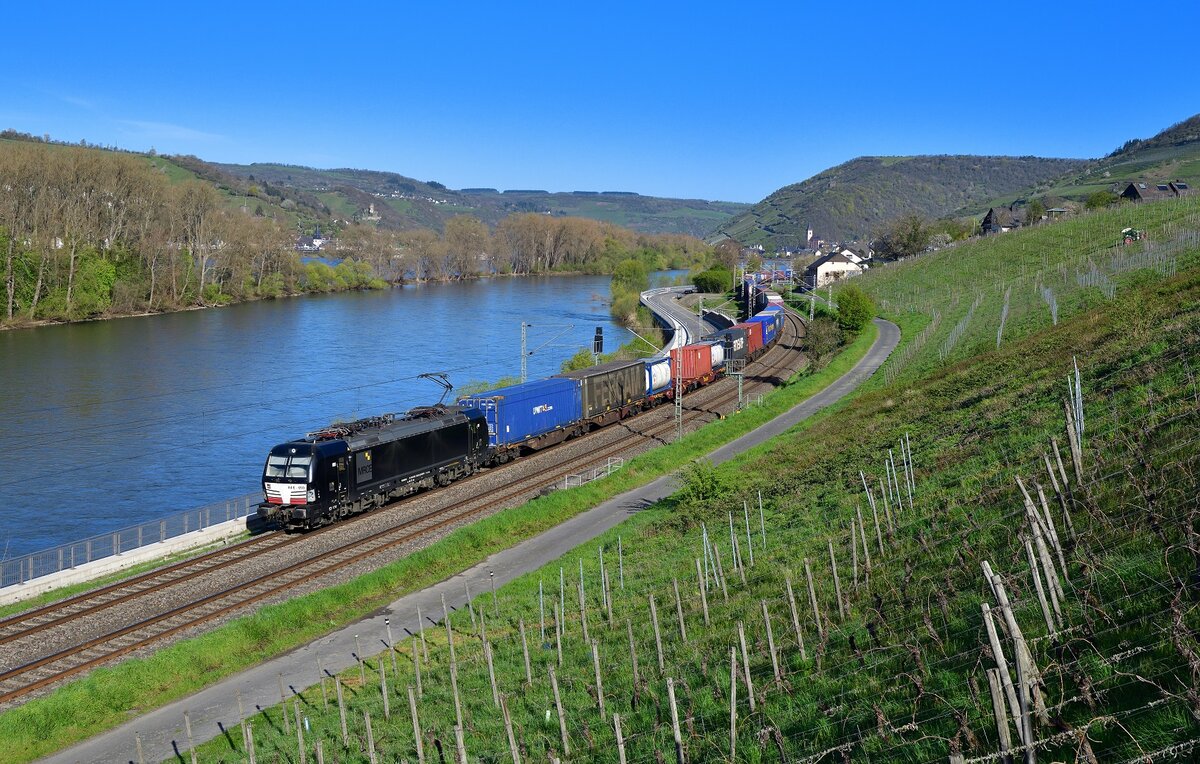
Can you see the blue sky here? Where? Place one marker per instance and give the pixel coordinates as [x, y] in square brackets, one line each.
[711, 100]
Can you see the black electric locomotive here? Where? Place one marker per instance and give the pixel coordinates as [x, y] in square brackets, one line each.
[360, 465]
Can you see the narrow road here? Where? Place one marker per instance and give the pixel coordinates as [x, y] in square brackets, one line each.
[214, 709]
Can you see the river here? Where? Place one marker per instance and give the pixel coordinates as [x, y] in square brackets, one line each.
[111, 423]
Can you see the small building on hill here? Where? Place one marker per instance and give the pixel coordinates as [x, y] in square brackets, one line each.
[1152, 191]
[1001, 219]
[830, 268]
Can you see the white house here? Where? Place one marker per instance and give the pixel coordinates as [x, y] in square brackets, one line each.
[830, 268]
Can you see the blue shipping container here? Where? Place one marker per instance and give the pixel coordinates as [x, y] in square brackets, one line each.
[524, 411]
[768, 325]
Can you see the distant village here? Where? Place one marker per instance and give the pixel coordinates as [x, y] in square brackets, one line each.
[825, 263]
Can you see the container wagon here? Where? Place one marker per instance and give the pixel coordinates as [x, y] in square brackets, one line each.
[658, 380]
[610, 391]
[754, 338]
[530, 415]
[692, 365]
[733, 343]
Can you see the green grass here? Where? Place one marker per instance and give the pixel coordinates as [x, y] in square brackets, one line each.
[106, 697]
[899, 678]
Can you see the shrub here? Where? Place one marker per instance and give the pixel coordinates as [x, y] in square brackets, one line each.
[854, 308]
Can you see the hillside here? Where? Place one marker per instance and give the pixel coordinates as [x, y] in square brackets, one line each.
[1173, 154]
[405, 203]
[855, 199]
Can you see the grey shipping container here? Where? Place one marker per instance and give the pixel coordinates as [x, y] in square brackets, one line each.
[610, 386]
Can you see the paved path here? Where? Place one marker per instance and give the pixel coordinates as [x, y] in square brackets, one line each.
[214, 709]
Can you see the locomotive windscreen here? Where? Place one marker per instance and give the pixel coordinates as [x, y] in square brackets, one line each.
[292, 468]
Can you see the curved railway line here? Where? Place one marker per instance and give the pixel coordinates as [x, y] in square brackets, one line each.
[52, 666]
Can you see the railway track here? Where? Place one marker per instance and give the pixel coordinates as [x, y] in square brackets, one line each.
[57, 666]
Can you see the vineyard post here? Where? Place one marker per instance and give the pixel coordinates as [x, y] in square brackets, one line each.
[749, 539]
[998, 711]
[795, 618]
[320, 751]
[837, 585]
[721, 576]
[458, 716]
[487, 655]
[137, 739]
[607, 597]
[679, 609]
[250, 737]
[771, 642]
[320, 677]
[762, 522]
[657, 636]
[525, 652]
[703, 596]
[675, 721]
[746, 664]
[370, 739]
[887, 512]
[416, 724]
[337, 682]
[603, 587]
[1014, 704]
[460, 747]
[470, 605]
[417, 666]
[582, 606]
[1073, 442]
[558, 635]
[632, 652]
[562, 719]
[620, 738]
[242, 711]
[599, 681]
[1053, 531]
[1051, 628]
[854, 552]
[542, 610]
[732, 703]
[300, 730]
[508, 729]
[862, 537]
[1058, 492]
[387, 710]
[812, 597]
[878, 533]
[421, 632]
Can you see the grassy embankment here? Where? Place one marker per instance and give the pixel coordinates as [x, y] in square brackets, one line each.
[900, 675]
[105, 698]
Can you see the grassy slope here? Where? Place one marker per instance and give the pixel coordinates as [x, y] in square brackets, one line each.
[105, 698]
[901, 676]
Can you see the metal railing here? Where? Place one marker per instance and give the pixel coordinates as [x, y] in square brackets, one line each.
[27, 567]
[587, 476]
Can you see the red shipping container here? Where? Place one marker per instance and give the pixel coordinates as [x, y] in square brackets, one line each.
[692, 362]
[754, 335]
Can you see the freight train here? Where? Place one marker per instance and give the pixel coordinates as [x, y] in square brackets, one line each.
[357, 466]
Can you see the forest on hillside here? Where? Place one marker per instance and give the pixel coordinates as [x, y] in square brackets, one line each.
[87, 233]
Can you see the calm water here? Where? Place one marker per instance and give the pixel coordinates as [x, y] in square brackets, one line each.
[111, 423]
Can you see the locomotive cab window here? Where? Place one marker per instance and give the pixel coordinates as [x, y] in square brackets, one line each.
[298, 467]
[276, 466]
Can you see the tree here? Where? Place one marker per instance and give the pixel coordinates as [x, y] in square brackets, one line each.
[1101, 199]
[822, 337]
[905, 237]
[1034, 212]
[855, 308]
[713, 280]
[583, 359]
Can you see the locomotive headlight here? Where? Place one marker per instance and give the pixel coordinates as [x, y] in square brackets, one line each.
[312, 494]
